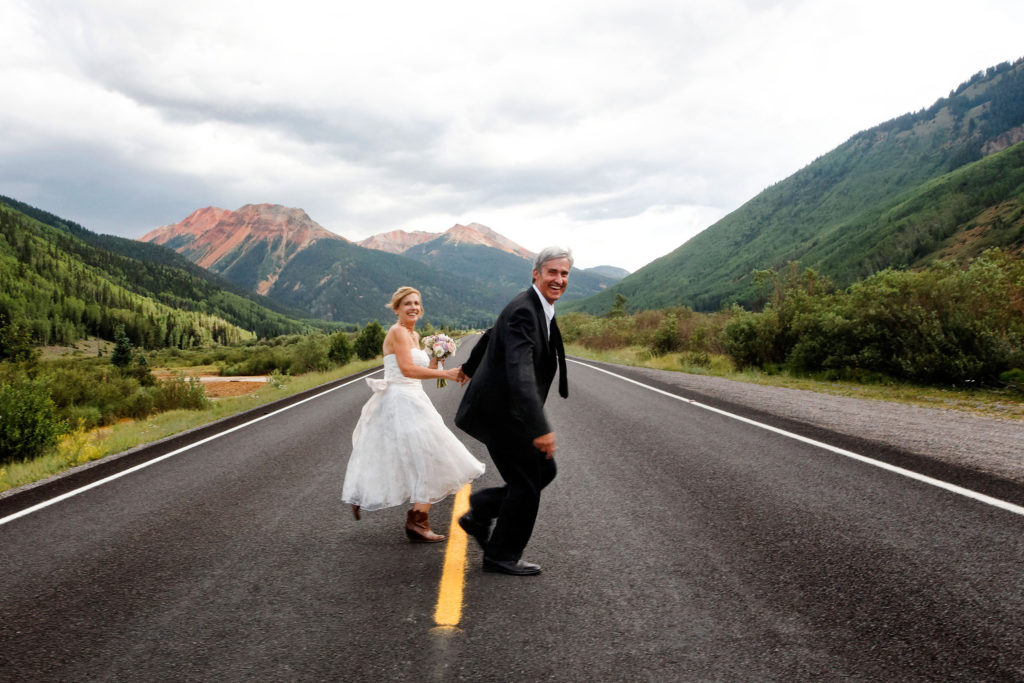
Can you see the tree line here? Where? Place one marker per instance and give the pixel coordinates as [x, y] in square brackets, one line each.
[63, 290]
[41, 401]
[959, 324]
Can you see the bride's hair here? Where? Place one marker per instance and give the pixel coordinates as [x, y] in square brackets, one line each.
[400, 294]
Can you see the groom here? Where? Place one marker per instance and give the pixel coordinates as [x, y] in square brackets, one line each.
[511, 368]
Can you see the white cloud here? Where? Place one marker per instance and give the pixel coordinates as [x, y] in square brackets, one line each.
[581, 123]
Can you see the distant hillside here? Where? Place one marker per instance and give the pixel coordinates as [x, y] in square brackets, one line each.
[341, 281]
[466, 273]
[920, 187]
[609, 272]
[151, 253]
[64, 288]
[500, 272]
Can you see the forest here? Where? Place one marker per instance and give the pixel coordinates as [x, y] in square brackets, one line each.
[64, 289]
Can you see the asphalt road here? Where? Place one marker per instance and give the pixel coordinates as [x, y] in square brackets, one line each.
[678, 544]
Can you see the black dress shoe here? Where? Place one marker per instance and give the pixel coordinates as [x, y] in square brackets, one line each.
[513, 567]
[478, 530]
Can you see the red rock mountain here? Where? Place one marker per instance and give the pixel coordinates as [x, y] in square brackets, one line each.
[283, 254]
[397, 241]
[400, 241]
[250, 246]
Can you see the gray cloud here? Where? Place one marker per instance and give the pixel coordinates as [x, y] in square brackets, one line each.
[649, 117]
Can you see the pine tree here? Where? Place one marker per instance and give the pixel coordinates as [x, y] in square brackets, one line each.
[122, 355]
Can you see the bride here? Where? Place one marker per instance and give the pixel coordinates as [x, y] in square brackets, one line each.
[401, 449]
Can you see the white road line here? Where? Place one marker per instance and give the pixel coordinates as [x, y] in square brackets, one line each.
[953, 488]
[107, 480]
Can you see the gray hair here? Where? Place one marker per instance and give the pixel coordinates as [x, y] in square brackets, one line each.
[550, 254]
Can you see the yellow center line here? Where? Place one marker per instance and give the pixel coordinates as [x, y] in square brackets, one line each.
[449, 596]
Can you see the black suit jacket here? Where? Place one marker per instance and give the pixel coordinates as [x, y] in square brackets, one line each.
[511, 367]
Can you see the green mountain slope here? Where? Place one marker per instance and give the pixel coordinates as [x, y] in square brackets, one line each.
[153, 254]
[881, 199]
[496, 273]
[338, 280]
[64, 288]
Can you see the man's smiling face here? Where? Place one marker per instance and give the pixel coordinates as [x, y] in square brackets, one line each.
[552, 278]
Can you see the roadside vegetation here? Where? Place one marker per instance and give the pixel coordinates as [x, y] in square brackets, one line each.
[61, 412]
[947, 336]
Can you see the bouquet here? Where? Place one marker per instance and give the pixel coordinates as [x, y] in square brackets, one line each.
[439, 346]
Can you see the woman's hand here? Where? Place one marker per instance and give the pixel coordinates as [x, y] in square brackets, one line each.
[455, 375]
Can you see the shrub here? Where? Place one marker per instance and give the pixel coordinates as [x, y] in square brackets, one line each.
[180, 394]
[695, 359]
[369, 342]
[341, 350]
[945, 324]
[261, 361]
[77, 447]
[138, 405]
[1014, 379]
[310, 355]
[87, 416]
[752, 339]
[30, 422]
[16, 341]
[666, 337]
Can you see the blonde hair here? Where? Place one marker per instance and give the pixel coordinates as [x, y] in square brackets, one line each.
[400, 294]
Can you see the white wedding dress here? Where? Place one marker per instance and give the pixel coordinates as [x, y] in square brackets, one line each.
[402, 452]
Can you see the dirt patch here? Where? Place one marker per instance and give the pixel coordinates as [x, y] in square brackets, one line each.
[215, 385]
[224, 389]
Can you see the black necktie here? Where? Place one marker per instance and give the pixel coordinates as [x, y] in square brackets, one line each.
[556, 344]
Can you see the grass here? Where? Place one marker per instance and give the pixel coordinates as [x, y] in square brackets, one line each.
[81, 447]
[1006, 404]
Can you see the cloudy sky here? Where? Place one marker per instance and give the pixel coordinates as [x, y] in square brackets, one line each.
[619, 127]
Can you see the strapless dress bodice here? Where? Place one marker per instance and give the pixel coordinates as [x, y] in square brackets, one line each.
[392, 373]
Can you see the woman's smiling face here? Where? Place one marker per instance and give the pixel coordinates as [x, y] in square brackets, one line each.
[409, 309]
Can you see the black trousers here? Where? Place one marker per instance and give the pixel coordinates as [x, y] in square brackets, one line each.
[526, 472]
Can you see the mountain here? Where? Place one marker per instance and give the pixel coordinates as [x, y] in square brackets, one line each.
[154, 254]
[609, 271]
[397, 241]
[500, 266]
[59, 281]
[249, 246]
[940, 182]
[400, 241]
[341, 281]
[466, 274]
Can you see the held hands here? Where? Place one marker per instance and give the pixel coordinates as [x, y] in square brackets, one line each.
[455, 375]
[545, 443]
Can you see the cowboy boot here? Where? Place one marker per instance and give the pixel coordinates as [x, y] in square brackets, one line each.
[417, 528]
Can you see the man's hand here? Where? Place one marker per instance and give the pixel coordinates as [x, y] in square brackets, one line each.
[546, 444]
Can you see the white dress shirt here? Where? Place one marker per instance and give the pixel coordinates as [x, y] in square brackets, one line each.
[549, 308]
